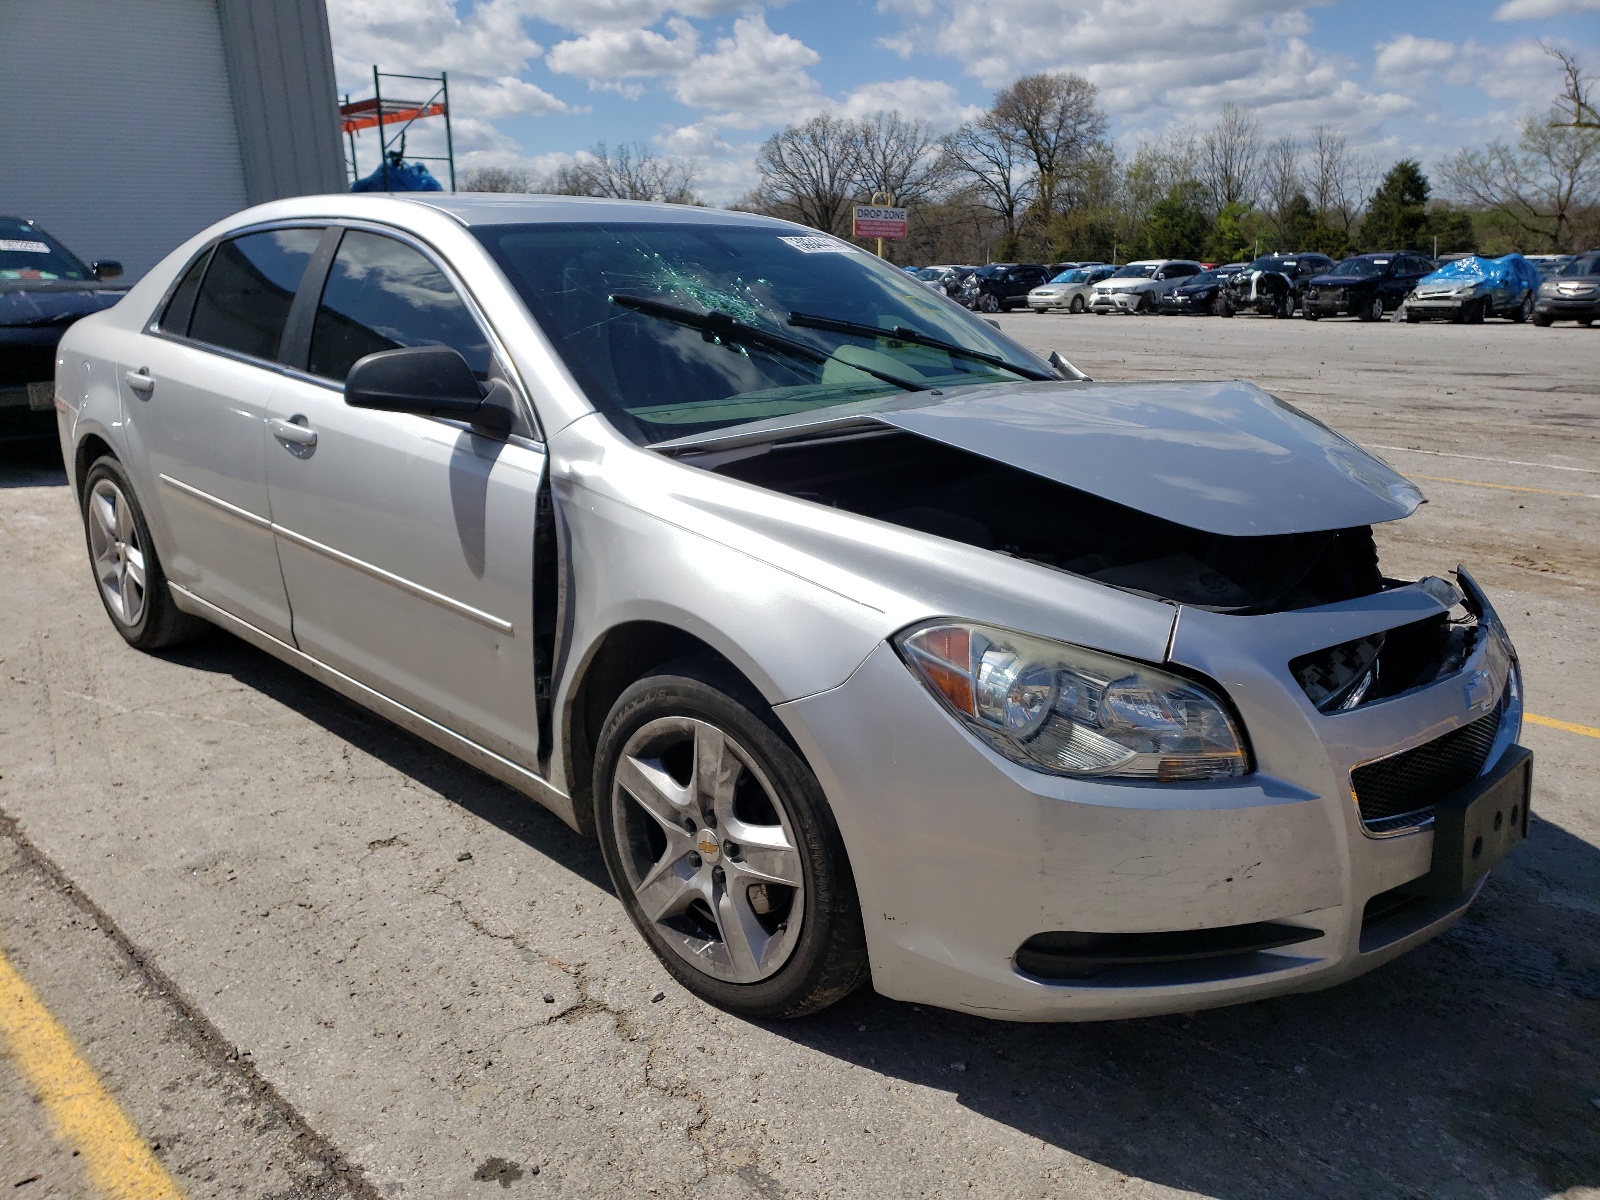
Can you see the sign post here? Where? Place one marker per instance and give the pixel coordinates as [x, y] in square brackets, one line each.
[875, 221]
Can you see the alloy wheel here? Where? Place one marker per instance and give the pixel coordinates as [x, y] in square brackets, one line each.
[117, 552]
[1377, 308]
[708, 848]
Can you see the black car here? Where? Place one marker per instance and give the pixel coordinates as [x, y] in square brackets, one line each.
[1365, 285]
[1000, 287]
[1198, 293]
[1571, 295]
[945, 279]
[1272, 285]
[44, 287]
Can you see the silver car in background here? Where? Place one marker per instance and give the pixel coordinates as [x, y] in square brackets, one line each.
[1070, 290]
[866, 645]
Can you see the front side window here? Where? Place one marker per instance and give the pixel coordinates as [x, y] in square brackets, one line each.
[807, 322]
[1137, 271]
[243, 303]
[1362, 268]
[1588, 264]
[382, 294]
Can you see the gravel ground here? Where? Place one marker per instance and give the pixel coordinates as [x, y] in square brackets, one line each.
[273, 910]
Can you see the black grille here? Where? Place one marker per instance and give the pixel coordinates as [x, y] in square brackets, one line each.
[1408, 784]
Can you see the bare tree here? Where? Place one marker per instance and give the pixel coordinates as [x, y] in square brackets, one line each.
[630, 172]
[991, 164]
[811, 171]
[901, 158]
[1230, 158]
[1577, 102]
[497, 179]
[1055, 121]
[1540, 185]
[1328, 165]
[1280, 171]
[1154, 171]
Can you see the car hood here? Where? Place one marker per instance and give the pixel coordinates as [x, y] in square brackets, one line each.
[1346, 280]
[1225, 458]
[33, 303]
[1191, 288]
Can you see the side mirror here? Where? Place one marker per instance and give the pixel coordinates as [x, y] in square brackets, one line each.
[433, 381]
[107, 269]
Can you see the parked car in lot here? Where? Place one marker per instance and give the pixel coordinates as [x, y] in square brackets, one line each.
[1272, 285]
[1000, 287]
[1549, 264]
[1471, 288]
[1198, 294]
[946, 279]
[1572, 295]
[865, 644]
[1365, 286]
[1134, 288]
[1068, 291]
[44, 288]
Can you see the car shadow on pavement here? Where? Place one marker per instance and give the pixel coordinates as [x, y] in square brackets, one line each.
[492, 801]
[1467, 1067]
[32, 463]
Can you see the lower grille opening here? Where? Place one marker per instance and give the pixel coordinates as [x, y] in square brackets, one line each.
[1064, 954]
[1399, 792]
[1398, 913]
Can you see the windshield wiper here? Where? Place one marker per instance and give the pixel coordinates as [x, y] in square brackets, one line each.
[719, 326]
[902, 334]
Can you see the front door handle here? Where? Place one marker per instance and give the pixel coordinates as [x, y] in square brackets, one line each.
[141, 382]
[292, 433]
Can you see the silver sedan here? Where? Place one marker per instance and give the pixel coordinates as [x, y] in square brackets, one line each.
[869, 645]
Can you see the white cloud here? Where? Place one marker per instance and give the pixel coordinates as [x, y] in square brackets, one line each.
[507, 96]
[1536, 10]
[585, 16]
[609, 54]
[932, 100]
[754, 78]
[1408, 54]
[416, 36]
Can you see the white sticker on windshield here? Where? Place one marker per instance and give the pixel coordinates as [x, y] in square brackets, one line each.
[24, 247]
[820, 245]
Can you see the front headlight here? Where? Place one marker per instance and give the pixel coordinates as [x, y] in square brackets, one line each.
[1072, 711]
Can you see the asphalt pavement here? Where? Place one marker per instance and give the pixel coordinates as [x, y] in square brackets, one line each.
[310, 955]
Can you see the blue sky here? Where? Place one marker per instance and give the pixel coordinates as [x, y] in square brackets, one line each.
[536, 81]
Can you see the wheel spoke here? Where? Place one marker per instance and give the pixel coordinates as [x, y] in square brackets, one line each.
[104, 516]
[716, 771]
[124, 521]
[741, 932]
[136, 567]
[764, 853]
[106, 568]
[654, 791]
[664, 893]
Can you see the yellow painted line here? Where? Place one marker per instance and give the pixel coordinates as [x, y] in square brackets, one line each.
[1507, 487]
[1567, 726]
[117, 1159]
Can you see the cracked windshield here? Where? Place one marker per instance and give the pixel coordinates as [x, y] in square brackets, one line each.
[675, 330]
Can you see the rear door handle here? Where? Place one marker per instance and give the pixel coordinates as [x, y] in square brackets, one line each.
[291, 433]
[141, 382]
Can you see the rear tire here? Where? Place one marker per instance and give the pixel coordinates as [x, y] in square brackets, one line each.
[988, 303]
[128, 575]
[1523, 311]
[692, 743]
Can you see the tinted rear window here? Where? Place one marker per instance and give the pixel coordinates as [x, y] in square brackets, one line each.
[244, 301]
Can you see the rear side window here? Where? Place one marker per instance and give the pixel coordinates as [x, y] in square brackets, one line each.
[1182, 270]
[382, 294]
[181, 307]
[244, 301]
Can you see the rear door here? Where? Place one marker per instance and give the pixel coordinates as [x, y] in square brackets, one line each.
[407, 542]
[194, 389]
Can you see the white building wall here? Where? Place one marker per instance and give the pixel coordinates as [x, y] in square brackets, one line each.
[117, 129]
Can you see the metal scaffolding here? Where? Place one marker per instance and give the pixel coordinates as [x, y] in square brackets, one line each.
[384, 113]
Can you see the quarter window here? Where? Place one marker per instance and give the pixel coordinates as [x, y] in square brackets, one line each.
[244, 301]
[181, 307]
[382, 294]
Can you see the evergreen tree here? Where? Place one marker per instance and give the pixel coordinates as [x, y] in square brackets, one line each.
[1177, 226]
[1397, 215]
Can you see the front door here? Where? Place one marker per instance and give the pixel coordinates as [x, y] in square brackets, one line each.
[407, 543]
[194, 399]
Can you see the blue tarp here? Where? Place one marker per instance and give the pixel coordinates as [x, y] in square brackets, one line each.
[406, 177]
[1473, 269]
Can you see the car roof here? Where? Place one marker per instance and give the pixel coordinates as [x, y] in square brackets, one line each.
[498, 208]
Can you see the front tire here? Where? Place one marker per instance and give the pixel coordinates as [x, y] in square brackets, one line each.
[1076, 305]
[128, 574]
[1224, 307]
[989, 304]
[754, 909]
[1373, 309]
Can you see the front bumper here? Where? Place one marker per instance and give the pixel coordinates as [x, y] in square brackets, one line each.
[1184, 304]
[1438, 306]
[1331, 304]
[961, 856]
[1559, 308]
[1115, 301]
[1048, 303]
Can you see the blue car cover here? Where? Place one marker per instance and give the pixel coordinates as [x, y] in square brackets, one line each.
[398, 177]
[1473, 269]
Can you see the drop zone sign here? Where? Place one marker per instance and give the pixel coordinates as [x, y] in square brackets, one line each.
[874, 222]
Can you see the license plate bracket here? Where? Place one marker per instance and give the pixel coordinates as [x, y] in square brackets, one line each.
[1475, 826]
